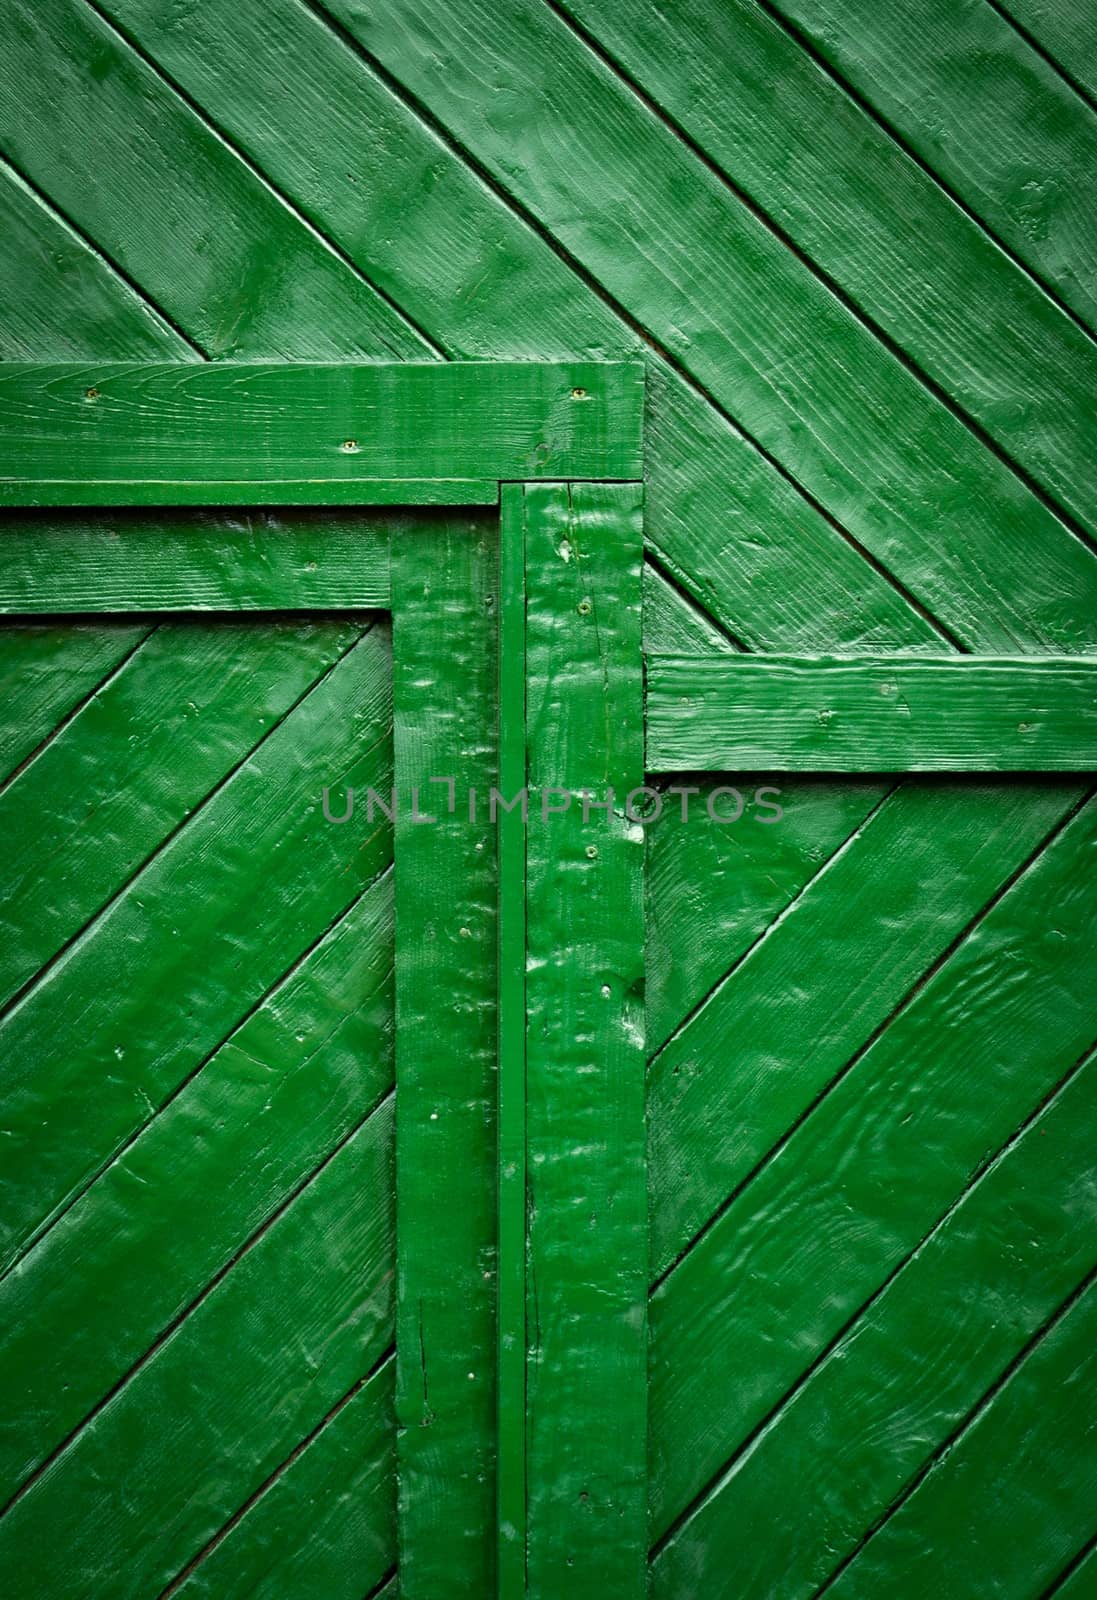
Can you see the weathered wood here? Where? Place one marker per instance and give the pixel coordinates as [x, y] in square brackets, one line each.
[327, 1523]
[844, 193]
[987, 116]
[46, 670]
[511, 1178]
[102, 1037]
[1067, 32]
[587, 1215]
[845, 1444]
[750, 1063]
[260, 492]
[345, 422]
[1008, 1504]
[124, 561]
[744, 316]
[863, 1178]
[172, 1208]
[409, 210]
[225, 1398]
[445, 684]
[884, 714]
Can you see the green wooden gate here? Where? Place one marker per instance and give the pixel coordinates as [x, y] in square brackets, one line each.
[322, 1175]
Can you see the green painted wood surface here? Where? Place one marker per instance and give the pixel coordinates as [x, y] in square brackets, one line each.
[586, 1405]
[880, 715]
[173, 560]
[228, 422]
[445, 685]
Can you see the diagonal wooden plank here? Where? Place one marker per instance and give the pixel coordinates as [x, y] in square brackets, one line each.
[326, 1525]
[1077, 1580]
[1006, 1506]
[873, 222]
[223, 1400]
[134, 762]
[713, 888]
[748, 1065]
[158, 979]
[118, 152]
[47, 670]
[1065, 32]
[864, 1177]
[62, 301]
[771, 344]
[735, 533]
[829, 1464]
[986, 115]
[289, 1082]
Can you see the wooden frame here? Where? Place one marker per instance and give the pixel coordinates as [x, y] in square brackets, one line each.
[557, 448]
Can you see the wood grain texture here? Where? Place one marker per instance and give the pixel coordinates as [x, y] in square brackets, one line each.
[862, 1179]
[744, 316]
[1004, 1509]
[873, 221]
[326, 1524]
[241, 275]
[144, 1240]
[345, 422]
[220, 1404]
[880, 715]
[445, 686]
[790, 1015]
[200, 560]
[380, 178]
[21, 493]
[1068, 35]
[986, 114]
[586, 1418]
[47, 669]
[158, 980]
[892, 1389]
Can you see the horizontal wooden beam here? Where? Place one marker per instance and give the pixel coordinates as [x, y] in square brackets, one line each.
[871, 714]
[55, 493]
[224, 423]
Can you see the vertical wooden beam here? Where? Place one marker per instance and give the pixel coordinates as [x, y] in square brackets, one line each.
[444, 582]
[511, 1344]
[586, 1199]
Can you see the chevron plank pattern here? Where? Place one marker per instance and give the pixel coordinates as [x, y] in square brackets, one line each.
[856, 243]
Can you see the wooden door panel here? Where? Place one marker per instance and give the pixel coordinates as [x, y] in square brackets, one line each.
[199, 1207]
[859, 1226]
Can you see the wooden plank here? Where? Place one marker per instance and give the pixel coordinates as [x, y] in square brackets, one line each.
[1006, 1507]
[173, 1207]
[1066, 32]
[62, 301]
[713, 889]
[303, 1314]
[268, 492]
[587, 1215]
[862, 1179]
[711, 284]
[127, 161]
[844, 192]
[102, 796]
[308, 107]
[748, 1064]
[888, 1395]
[326, 1525]
[46, 670]
[445, 682]
[880, 714]
[123, 561]
[512, 1332]
[157, 981]
[348, 422]
[987, 116]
